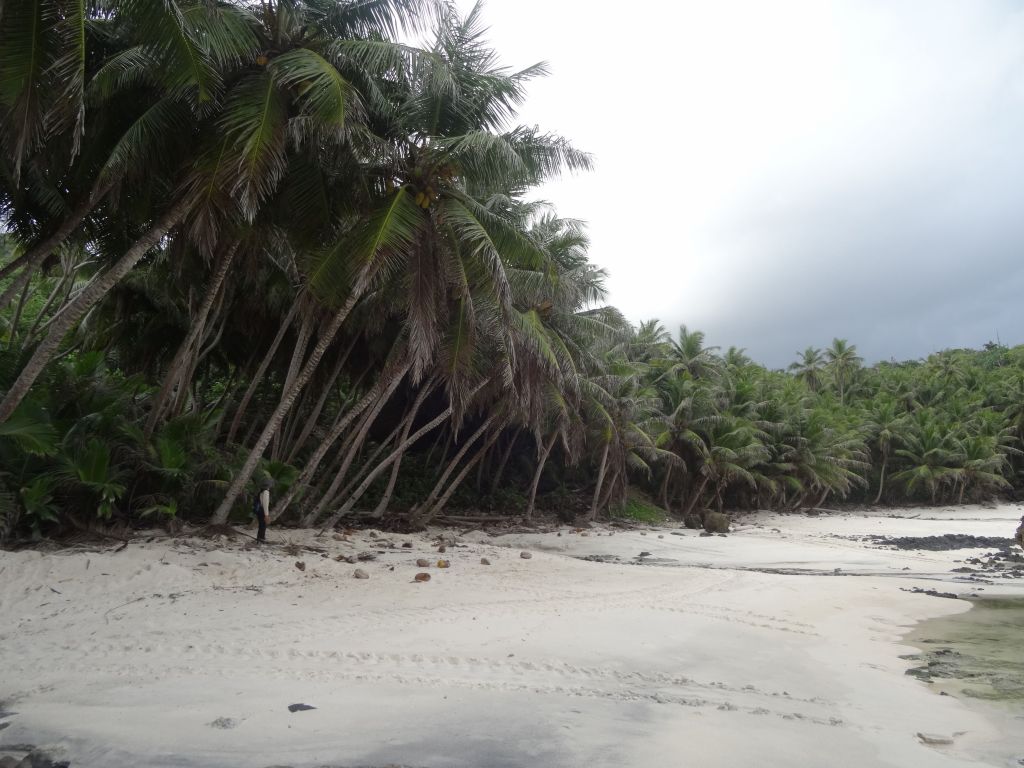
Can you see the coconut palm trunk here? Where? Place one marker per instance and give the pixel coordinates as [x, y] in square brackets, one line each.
[340, 425]
[541, 461]
[696, 497]
[435, 492]
[31, 260]
[283, 407]
[176, 372]
[505, 456]
[257, 378]
[318, 408]
[439, 505]
[85, 301]
[881, 480]
[600, 482]
[356, 443]
[382, 506]
[368, 480]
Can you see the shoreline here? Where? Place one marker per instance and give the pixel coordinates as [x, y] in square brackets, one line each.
[135, 656]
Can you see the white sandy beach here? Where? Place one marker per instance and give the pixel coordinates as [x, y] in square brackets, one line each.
[141, 657]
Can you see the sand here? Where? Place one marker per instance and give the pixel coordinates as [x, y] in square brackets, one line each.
[188, 652]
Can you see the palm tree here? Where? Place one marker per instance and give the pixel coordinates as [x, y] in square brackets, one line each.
[809, 367]
[843, 360]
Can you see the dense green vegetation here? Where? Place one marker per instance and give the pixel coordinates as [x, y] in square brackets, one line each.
[249, 240]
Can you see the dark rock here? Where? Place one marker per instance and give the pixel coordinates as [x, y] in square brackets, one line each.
[943, 543]
[299, 707]
[41, 758]
[677, 533]
[300, 565]
[365, 557]
[526, 555]
[645, 554]
[716, 522]
[932, 592]
[423, 563]
[692, 521]
[484, 561]
[407, 545]
[934, 739]
[421, 577]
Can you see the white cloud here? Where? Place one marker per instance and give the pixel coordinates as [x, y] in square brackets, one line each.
[779, 173]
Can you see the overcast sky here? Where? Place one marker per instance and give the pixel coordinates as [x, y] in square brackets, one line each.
[780, 173]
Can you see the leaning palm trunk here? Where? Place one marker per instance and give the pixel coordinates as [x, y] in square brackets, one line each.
[314, 416]
[82, 303]
[505, 456]
[881, 480]
[436, 491]
[600, 481]
[536, 475]
[57, 290]
[294, 366]
[356, 444]
[283, 407]
[175, 373]
[385, 445]
[439, 505]
[696, 497]
[368, 480]
[606, 497]
[257, 378]
[339, 427]
[30, 261]
[389, 491]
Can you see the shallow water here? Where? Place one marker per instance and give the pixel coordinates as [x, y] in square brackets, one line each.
[977, 654]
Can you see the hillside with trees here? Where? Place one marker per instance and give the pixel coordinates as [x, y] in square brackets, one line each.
[247, 241]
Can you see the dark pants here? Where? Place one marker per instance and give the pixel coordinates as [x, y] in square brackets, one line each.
[261, 518]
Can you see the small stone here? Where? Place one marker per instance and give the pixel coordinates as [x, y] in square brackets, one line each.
[443, 563]
[299, 707]
[223, 722]
[643, 533]
[484, 561]
[559, 533]
[407, 545]
[360, 574]
[526, 555]
[934, 739]
[421, 577]
[442, 549]
[423, 563]
[300, 565]
[585, 533]
[660, 536]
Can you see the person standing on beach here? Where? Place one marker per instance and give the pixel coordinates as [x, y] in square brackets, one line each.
[262, 511]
